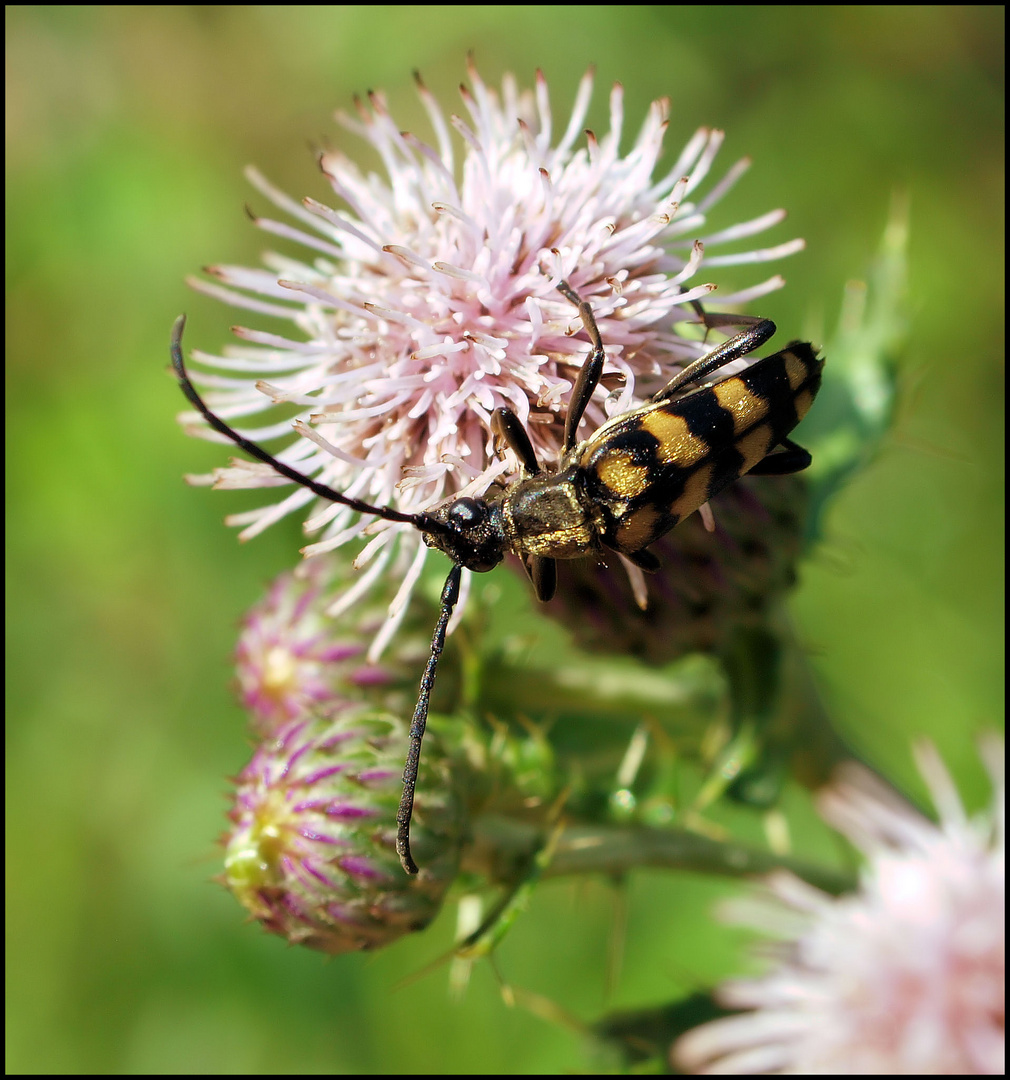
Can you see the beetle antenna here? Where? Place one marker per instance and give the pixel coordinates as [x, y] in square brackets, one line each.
[450, 594]
[422, 521]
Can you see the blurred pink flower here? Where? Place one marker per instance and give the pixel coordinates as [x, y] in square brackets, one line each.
[905, 976]
[430, 301]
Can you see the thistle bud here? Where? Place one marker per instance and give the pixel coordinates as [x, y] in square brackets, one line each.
[311, 853]
[709, 585]
[295, 657]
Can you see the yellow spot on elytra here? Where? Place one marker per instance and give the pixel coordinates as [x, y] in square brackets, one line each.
[637, 530]
[746, 408]
[695, 492]
[803, 401]
[617, 471]
[677, 446]
[754, 446]
[796, 370]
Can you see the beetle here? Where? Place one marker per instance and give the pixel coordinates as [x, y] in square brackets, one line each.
[621, 489]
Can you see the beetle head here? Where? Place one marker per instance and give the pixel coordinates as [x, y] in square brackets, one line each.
[474, 536]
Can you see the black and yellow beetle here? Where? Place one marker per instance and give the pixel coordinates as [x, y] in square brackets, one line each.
[623, 488]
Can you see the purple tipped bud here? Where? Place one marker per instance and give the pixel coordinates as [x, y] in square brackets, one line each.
[311, 853]
[294, 659]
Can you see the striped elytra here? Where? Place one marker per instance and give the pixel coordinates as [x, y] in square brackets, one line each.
[648, 469]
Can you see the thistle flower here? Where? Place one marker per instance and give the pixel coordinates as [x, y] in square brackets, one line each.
[311, 853]
[298, 654]
[904, 976]
[431, 301]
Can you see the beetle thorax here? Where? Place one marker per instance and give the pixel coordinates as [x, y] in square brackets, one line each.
[545, 515]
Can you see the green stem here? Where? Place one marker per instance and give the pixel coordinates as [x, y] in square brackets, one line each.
[499, 843]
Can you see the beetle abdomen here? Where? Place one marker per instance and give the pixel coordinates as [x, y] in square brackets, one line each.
[648, 469]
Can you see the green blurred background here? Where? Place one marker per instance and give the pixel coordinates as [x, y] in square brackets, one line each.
[127, 130]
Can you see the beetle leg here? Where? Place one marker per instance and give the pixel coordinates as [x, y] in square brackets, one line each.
[757, 332]
[644, 560]
[509, 432]
[592, 368]
[791, 459]
[543, 573]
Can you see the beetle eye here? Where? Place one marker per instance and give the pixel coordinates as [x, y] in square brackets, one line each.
[466, 513]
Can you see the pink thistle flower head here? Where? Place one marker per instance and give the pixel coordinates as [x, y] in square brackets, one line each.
[429, 300]
[311, 852]
[905, 976]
